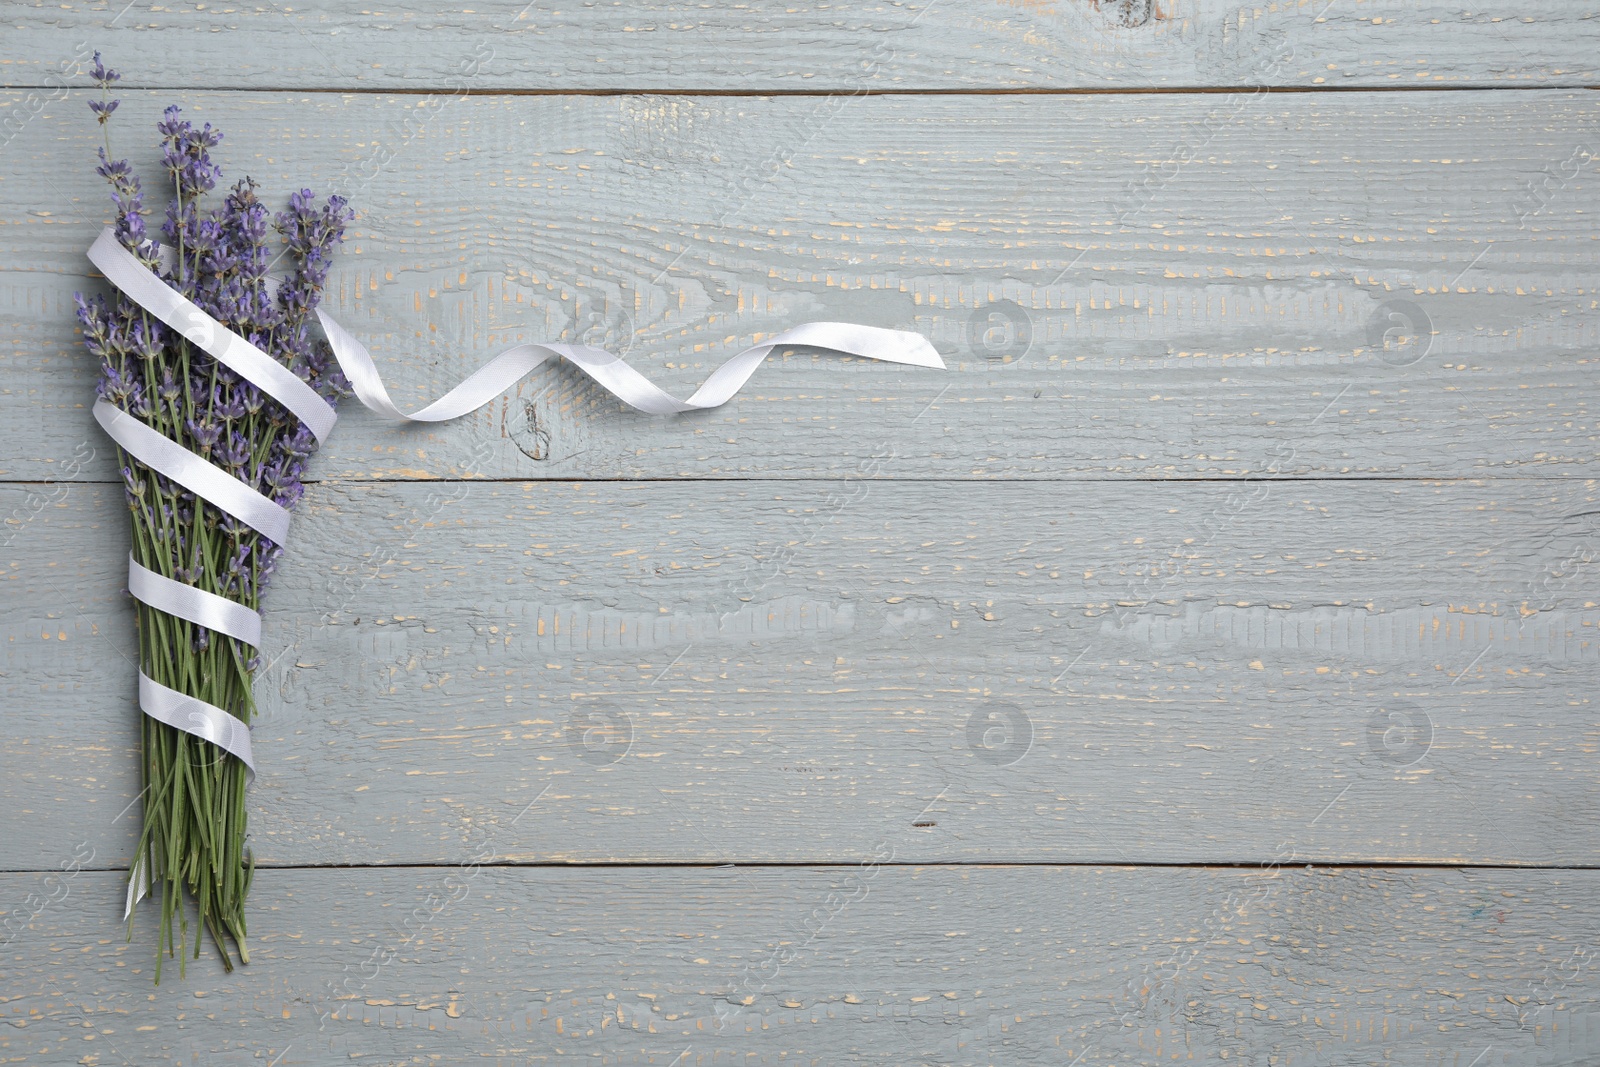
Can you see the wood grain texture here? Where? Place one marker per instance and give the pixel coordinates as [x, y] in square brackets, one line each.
[1181, 320]
[856, 964]
[756, 671]
[767, 46]
[1253, 527]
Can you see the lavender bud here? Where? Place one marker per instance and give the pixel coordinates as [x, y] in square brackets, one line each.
[288, 495]
[103, 75]
[227, 403]
[234, 454]
[203, 433]
[251, 397]
[139, 403]
[135, 484]
[300, 444]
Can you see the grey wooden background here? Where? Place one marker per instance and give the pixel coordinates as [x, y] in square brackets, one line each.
[1201, 670]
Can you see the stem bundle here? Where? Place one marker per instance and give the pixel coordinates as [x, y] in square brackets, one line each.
[193, 842]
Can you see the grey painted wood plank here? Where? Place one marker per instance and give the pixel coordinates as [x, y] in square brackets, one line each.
[766, 671]
[1181, 320]
[767, 46]
[866, 963]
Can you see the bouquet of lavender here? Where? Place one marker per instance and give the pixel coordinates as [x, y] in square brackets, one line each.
[193, 836]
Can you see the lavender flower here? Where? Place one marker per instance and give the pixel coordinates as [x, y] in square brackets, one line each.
[245, 222]
[312, 234]
[187, 155]
[125, 190]
[103, 76]
[129, 198]
[156, 376]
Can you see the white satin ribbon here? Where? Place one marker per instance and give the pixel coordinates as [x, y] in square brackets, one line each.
[628, 385]
[245, 503]
[195, 716]
[196, 605]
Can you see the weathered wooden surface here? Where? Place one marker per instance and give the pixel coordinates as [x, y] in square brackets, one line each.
[829, 623]
[1183, 320]
[767, 46]
[855, 964]
[1375, 672]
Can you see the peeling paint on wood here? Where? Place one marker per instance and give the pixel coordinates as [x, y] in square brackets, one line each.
[751, 671]
[768, 46]
[1252, 530]
[861, 963]
[1106, 313]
